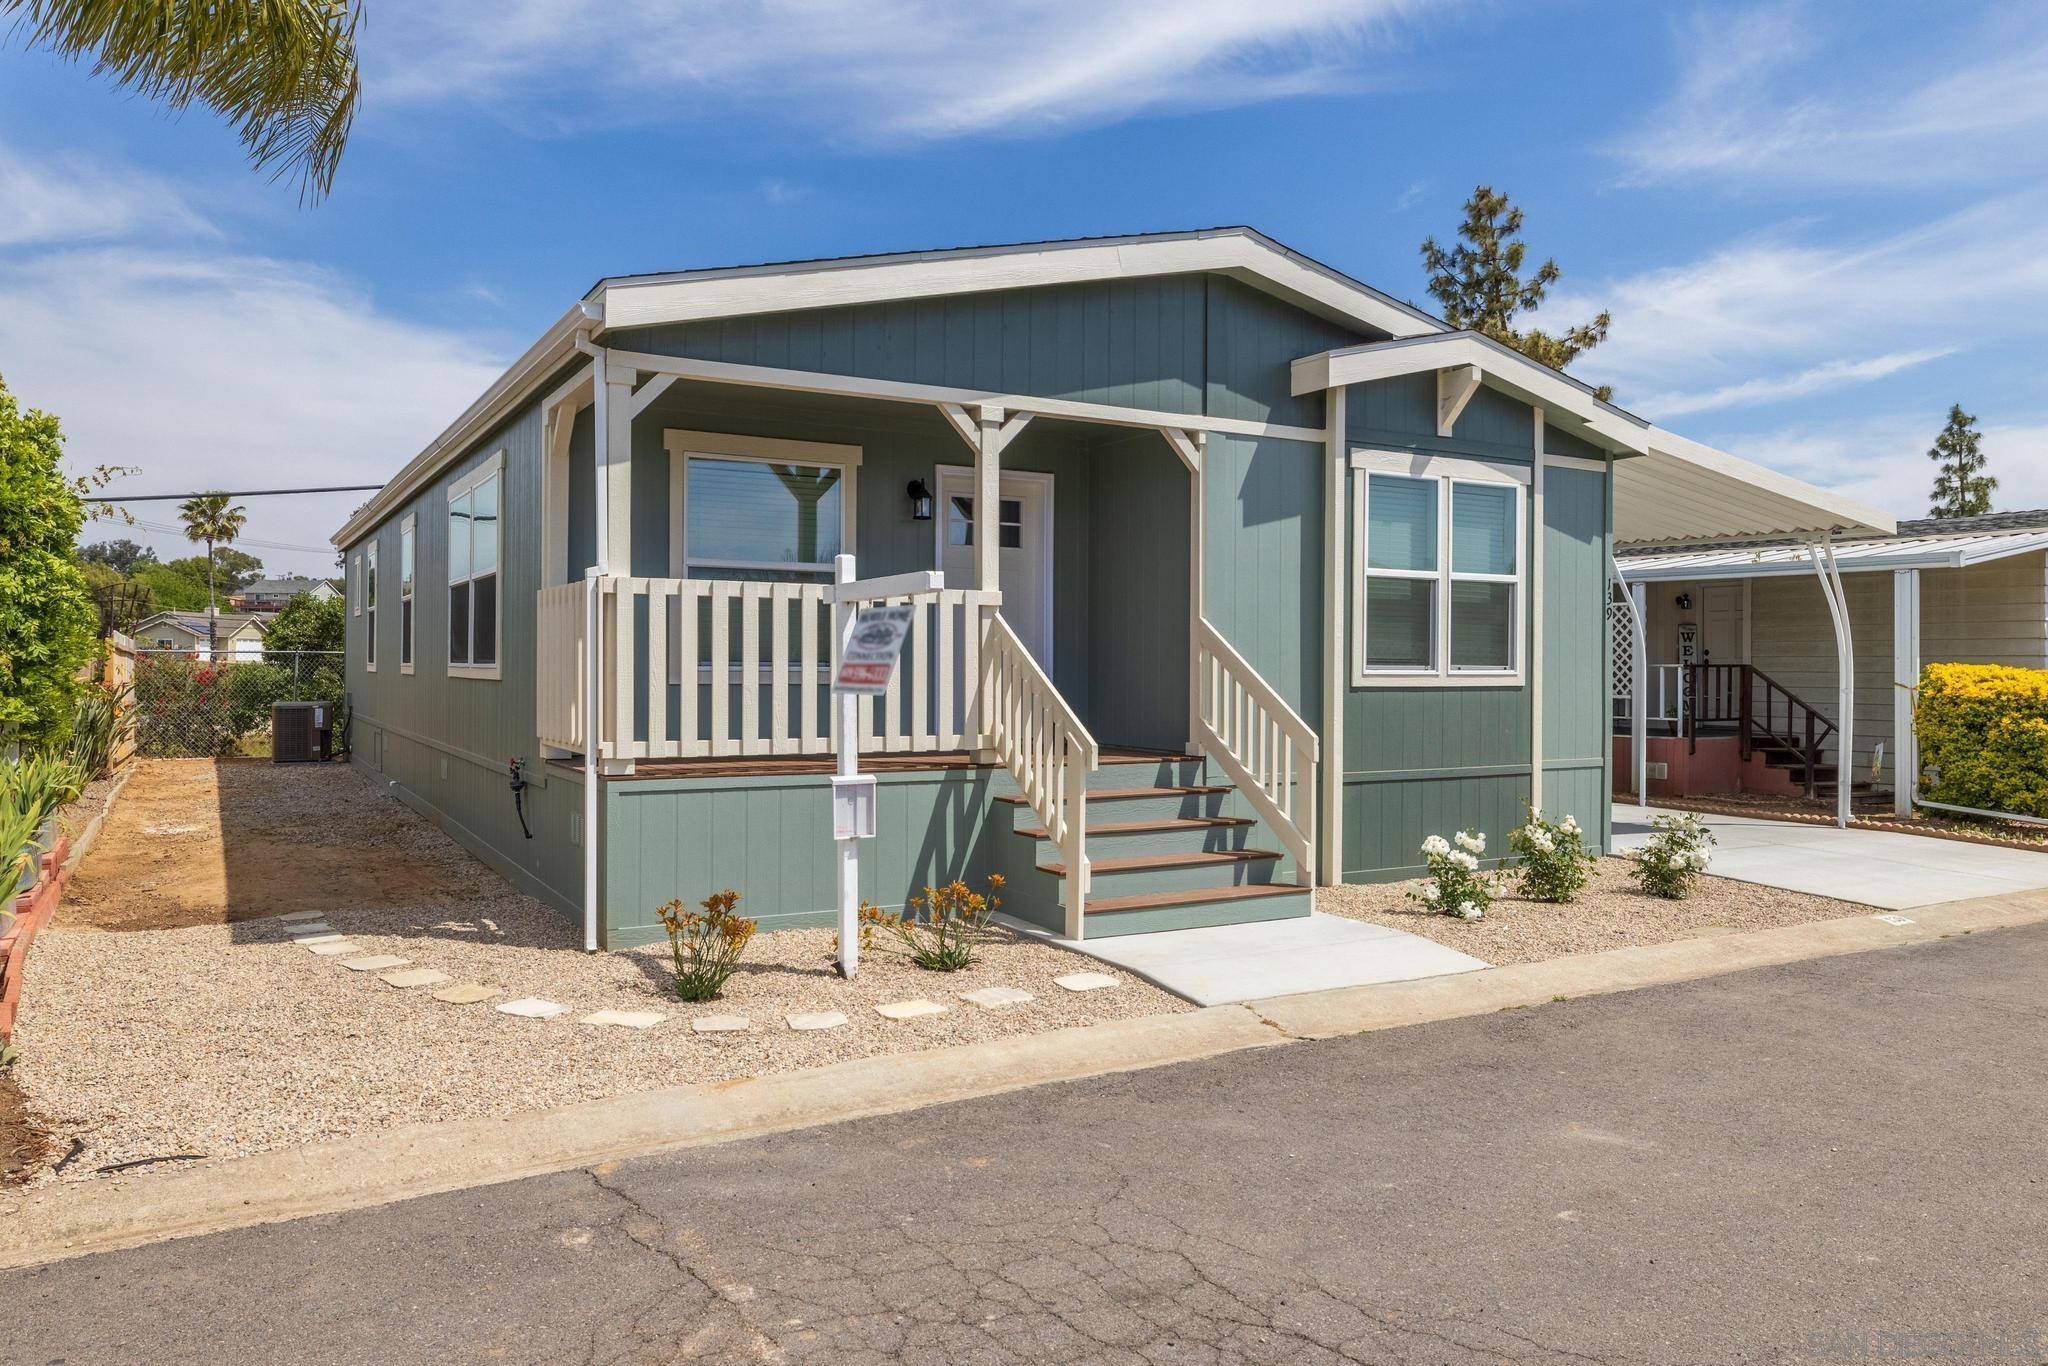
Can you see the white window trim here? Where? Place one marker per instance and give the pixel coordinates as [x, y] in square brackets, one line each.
[490, 468]
[1448, 471]
[370, 607]
[355, 584]
[766, 450]
[408, 625]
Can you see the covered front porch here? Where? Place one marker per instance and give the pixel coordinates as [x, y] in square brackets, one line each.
[1067, 651]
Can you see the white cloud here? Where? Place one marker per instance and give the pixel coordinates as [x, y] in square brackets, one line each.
[71, 198]
[228, 372]
[1882, 459]
[904, 71]
[1781, 316]
[1774, 93]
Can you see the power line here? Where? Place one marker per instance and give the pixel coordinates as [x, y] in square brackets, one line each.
[239, 540]
[226, 493]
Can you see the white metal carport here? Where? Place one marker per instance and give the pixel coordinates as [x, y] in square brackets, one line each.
[1903, 557]
[1683, 493]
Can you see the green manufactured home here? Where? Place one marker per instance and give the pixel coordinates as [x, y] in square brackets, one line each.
[1254, 577]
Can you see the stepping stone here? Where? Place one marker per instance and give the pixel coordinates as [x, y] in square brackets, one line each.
[376, 962]
[465, 993]
[909, 1010]
[323, 935]
[335, 946]
[817, 1019]
[720, 1024]
[989, 998]
[625, 1019]
[302, 915]
[306, 929]
[1085, 981]
[532, 1008]
[416, 977]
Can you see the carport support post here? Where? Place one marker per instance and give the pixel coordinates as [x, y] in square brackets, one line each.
[1905, 678]
[1845, 673]
[1639, 712]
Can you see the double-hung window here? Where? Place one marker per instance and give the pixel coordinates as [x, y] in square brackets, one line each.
[405, 561]
[370, 606]
[1437, 581]
[474, 537]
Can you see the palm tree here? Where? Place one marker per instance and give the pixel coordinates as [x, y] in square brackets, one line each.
[282, 73]
[209, 518]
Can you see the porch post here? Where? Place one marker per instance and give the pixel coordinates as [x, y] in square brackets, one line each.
[1336, 658]
[988, 485]
[614, 399]
[1905, 678]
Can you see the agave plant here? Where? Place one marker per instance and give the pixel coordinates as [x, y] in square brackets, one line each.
[31, 791]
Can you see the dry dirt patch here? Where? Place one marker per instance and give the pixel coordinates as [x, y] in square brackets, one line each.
[207, 842]
[1610, 914]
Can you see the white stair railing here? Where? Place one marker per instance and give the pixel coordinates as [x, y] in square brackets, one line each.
[1046, 748]
[1268, 751]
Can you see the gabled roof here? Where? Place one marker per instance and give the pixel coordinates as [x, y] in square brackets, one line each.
[194, 623]
[781, 286]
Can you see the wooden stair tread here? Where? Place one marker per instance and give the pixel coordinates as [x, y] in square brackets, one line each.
[1038, 832]
[1117, 793]
[1138, 863]
[1153, 900]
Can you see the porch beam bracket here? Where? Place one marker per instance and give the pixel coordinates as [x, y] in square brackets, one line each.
[1455, 386]
[963, 423]
[645, 396]
[1189, 446]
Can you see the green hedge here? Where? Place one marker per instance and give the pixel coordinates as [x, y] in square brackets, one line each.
[1983, 731]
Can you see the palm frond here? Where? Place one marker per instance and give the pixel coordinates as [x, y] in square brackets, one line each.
[282, 73]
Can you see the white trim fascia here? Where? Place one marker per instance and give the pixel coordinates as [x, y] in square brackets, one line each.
[1507, 369]
[899, 391]
[1575, 462]
[518, 383]
[1417, 465]
[1251, 257]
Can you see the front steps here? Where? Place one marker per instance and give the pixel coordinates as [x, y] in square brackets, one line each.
[1169, 848]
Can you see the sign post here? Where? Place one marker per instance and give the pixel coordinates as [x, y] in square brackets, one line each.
[870, 642]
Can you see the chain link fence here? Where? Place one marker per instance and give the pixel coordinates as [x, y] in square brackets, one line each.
[191, 706]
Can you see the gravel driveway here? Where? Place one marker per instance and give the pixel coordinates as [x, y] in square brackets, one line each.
[216, 1040]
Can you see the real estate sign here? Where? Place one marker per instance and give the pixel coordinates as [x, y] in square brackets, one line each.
[872, 647]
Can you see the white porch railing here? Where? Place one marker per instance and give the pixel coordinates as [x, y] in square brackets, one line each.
[1047, 750]
[1269, 752]
[701, 668]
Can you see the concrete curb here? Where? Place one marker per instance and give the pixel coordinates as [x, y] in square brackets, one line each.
[87, 836]
[56, 1222]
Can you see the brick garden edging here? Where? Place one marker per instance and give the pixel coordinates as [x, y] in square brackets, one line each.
[32, 910]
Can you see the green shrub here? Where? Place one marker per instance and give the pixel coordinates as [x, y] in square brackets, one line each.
[31, 791]
[942, 930]
[99, 720]
[705, 944]
[1455, 886]
[1675, 856]
[1555, 864]
[1983, 732]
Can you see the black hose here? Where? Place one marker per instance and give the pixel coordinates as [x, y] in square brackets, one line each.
[519, 797]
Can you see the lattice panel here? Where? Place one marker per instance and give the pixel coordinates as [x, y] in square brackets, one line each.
[1622, 633]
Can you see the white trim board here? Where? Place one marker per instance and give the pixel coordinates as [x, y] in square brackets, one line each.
[681, 445]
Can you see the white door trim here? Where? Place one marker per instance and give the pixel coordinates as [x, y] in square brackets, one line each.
[1041, 484]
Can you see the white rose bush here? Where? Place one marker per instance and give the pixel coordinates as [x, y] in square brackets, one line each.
[1455, 886]
[1555, 863]
[1675, 856]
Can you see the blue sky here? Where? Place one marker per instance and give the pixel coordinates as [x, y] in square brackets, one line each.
[1816, 225]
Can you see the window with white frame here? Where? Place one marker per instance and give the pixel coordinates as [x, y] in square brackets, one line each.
[405, 566]
[1437, 582]
[749, 507]
[355, 584]
[370, 606]
[474, 538]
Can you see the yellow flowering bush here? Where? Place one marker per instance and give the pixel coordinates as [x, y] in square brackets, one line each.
[705, 944]
[941, 931]
[1983, 732]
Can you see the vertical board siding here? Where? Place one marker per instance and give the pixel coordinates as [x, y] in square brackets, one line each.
[1400, 413]
[1138, 626]
[1264, 569]
[1253, 340]
[446, 741]
[1575, 643]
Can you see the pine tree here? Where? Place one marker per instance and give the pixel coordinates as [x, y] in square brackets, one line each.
[1961, 489]
[1479, 285]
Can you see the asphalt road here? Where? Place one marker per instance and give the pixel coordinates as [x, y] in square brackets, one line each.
[1838, 1161]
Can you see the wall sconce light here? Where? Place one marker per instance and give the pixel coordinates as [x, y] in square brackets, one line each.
[920, 501]
[1685, 602]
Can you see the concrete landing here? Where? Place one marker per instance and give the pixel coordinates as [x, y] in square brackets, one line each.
[1223, 964]
[1875, 867]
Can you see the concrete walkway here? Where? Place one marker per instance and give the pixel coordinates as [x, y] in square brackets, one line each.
[1875, 867]
[1225, 964]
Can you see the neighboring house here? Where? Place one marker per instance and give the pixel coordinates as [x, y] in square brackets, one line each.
[239, 634]
[270, 595]
[1755, 620]
[1254, 578]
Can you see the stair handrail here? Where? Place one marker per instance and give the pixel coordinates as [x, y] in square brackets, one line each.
[1241, 725]
[1049, 753]
[1806, 741]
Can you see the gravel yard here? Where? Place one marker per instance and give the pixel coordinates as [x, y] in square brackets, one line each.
[213, 1040]
[1609, 914]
